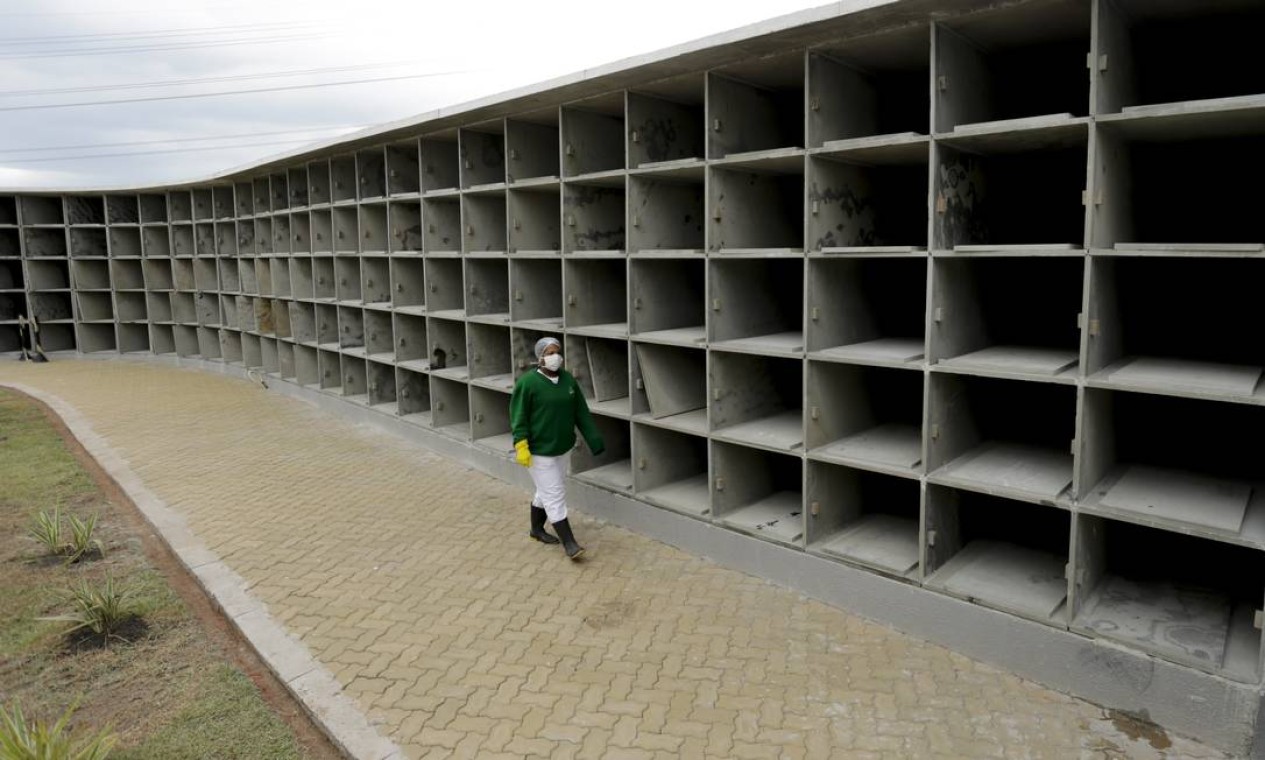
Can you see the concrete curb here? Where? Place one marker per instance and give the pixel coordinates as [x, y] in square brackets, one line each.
[304, 677]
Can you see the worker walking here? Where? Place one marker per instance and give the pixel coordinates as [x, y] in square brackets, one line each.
[545, 410]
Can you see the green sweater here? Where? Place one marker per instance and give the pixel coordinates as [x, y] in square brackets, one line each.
[547, 414]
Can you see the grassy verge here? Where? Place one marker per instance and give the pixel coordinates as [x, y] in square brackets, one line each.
[169, 692]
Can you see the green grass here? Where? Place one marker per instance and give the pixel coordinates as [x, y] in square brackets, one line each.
[35, 467]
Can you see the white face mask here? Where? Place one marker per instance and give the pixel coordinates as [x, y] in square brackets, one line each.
[552, 362]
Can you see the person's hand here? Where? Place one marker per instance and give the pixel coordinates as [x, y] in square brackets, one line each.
[521, 454]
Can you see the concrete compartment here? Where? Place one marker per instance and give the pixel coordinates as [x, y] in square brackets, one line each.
[245, 313]
[666, 211]
[1010, 63]
[130, 307]
[281, 318]
[88, 242]
[450, 407]
[203, 204]
[221, 202]
[613, 470]
[281, 234]
[758, 492]
[412, 391]
[665, 123]
[162, 340]
[228, 311]
[91, 274]
[204, 240]
[447, 348]
[209, 343]
[597, 296]
[247, 275]
[870, 86]
[207, 307]
[487, 290]
[600, 367]
[55, 337]
[490, 421]
[96, 338]
[263, 276]
[297, 183]
[355, 379]
[865, 417]
[183, 310]
[245, 198]
[403, 172]
[668, 300]
[322, 231]
[10, 243]
[984, 320]
[306, 370]
[536, 292]
[671, 384]
[999, 553]
[671, 470]
[408, 283]
[125, 242]
[986, 199]
[405, 221]
[268, 356]
[485, 222]
[301, 233]
[442, 217]
[534, 219]
[532, 148]
[319, 188]
[1198, 612]
[373, 228]
[346, 230]
[95, 307]
[379, 338]
[342, 172]
[85, 210]
[482, 155]
[593, 136]
[756, 106]
[285, 353]
[41, 210]
[323, 278]
[412, 350]
[11, 275]
[380, 380]
[869, 309]
[45, 242]
[159, 308]
[12, 305]
[375, 280]
[445, 292]
[757, 401]
[757, 207]
[127, 274]
[182, 274]
[491, 362]
[593, 216]
[1008, 438]
[157, 241]
[347, 274]
[8, 211]
[153, 208]
[757, 305]
[371, 173]
[186, 341]
[860, 203]
[225, 239]
[245, 238]
[351, 328]
[303, 322]
[329, 368]
[301, 285]
[441, 164]
[243, 349]
[327, 325]
[865, 518]
[206, 274]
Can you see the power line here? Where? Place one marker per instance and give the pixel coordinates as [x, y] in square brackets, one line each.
[153, 152]
[183, 139]
[238, 92]
[185, 32]
[156, 48]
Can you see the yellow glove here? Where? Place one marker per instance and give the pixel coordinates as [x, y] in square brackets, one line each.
[521, 454]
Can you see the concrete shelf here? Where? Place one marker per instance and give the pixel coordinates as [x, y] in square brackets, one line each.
[8, 211]
[322, 232]
[402, 168]
[666, 211]
[89, 242]
[536, 291]
[303, 322]
[408, 282]
[11, 275]
[533, 219]
[867, 205]
[162, 340]
[86, 210]
[91, 274]
[342, 180]
[375, 280]
[280, 278]
[372, 225]
[596, 294]
[756, 106]
[131, 307]
[758, 493]
[318, 184]
[600, 367]
[156, 242]
[281, 236]
[442, 231]
[123, 210]
[10, 244]
[412, 392]
[125, 242]
[593, 218]
[756, 212]
[48, 242]
[613, 470]
[409, 333]
[532, 147]
[346, 232]
[666, 122]
[593, 136]
[301, 281]
[757, 401]
[440, 163]
[450, 407]
[757, 304]
[42, 210]
[865, 417]
[490, 421]
[405, 226]
[670, 385]
[482, 155]
[286, 359]
[864, 518]
[871, 86]
[671, 470]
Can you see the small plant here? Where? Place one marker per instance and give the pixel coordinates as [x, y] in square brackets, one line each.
[81, 540]
[37, 740]
[99, 610]
[74, 545]
[47, 530]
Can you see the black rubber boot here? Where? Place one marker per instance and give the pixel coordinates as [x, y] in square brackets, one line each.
[563, 529]
[538, 526]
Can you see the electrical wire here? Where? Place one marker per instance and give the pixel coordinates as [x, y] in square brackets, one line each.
[157, 48]
[181, 139]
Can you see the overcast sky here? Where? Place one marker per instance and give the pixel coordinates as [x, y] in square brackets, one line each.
[427, 55]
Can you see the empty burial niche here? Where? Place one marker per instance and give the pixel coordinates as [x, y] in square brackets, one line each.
[185, 338]
[263, 195]
[375, 280]
[403, 175]
[157, 242]
[450, 407]
[351, 328]
[228, 311]
[756, 400]
[1137, 39]
[665, 211]
[246, 274]
[182, 240]
[285, 361]
[301, 233]
[327, 325]
[161, 339]
[405, 224]
[535, 292]
[868, 309]
[329, 368]
[85, 210]
[442, 217]
[202, 204]
[532, 147]
[263, 276]
[355, 380]
[95, 307]
[371, 173]
[593, 216]
[440, 164]
[180, 205]
[207, 306]
[408, 284]
[994, 195]
[673, 386]
[1198, 611]
[756, 106]
[245, 237]
[379, 339]
[40, 210]
[8, 211]
[205, 274]
[490, 420]
[984, 319]
[758, 492]
[296, 181]
[1177, 463]
[381, 386]
[1005, 437]
[243, 312]
[182, 273]
[533, 220]
[97, 338]
[230, 277]
[346, 230]
[757, 305]
[125, 242]
[412, 391]
[306, 369]
[322, 232]
[668, 298]
[91, 274]
[318, 185]
[323, 279]
[153, 208]
[870, 86]
[347, 272]
[597, 296]
[446, 349]
[484, 222]
[245, 198]
[52, 307]
[11, 275]
[303, 322]
[122, 209]
[343, 178]
[600, 366]
[868, 417]
[1012, 63]
[445, 294]
[665, 123]
[613, 469]
[10, 244]
[593, 136]
[871, 207]
[238, 348]
[225, 239]
[281, 318]
[671, 470]
[280, 234]
[88, 242]
[491, 362]
[127, 275]
[1138, 341]
[757, 208]
[999, 553]
[268, 352]
[204, 240]
[159, 308]
[1206, 213]
[41, 243]
[864, 517]
[222, 200]
[488, 290]
[412, 350]
[482, 156]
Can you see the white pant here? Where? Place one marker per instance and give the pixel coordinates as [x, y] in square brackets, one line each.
[550, 476]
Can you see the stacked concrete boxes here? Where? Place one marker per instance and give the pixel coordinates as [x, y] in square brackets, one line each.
[915, 297]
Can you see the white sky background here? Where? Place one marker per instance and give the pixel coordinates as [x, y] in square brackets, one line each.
[467, 50]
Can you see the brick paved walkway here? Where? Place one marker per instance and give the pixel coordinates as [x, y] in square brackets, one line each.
[411, 578]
